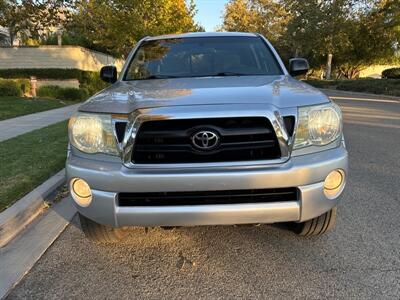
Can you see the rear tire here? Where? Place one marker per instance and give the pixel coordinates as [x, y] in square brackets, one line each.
[100, 233]
[318, 225]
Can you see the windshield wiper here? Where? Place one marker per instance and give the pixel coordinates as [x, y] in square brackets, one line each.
[230, 74]
[158, 77]
[161, 76]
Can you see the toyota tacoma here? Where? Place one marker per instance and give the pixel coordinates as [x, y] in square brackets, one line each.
[206, 129]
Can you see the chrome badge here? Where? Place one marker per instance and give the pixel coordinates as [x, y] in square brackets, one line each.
[205, 140]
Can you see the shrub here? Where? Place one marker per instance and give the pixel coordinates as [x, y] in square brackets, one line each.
[70, 94]
[48, 91]
[393, 73]
[9, 88]
[88, 80]
[24, 85]
[92, 82]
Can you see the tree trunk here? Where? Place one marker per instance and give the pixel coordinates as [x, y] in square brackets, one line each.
[11, 36]
[328, 66]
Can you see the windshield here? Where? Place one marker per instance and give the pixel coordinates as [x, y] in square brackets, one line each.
[201, 57]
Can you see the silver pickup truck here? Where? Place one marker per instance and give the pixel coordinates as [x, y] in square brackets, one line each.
[206, 129]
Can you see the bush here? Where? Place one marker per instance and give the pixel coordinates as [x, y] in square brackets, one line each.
[393, 73]
[90, 81]
[48, 91]
[70, 94]
[24, 85]
[9, 88]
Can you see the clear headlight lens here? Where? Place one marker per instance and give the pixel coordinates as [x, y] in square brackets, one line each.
[318, 125]
[92, 133]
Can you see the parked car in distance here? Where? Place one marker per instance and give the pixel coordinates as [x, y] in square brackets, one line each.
[206, 129]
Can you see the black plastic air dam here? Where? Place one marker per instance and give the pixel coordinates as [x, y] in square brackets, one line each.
[208, 197]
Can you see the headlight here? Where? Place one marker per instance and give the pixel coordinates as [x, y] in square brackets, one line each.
[92, 133]
[318, 125]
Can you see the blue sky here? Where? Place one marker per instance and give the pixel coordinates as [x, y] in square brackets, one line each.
[209, 13]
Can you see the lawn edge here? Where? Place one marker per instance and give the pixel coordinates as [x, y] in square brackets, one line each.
[63, 102]
[360, 94]
[15, 218]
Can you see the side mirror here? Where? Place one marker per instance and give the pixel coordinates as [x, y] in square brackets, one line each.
[108, 74]
[298, 66]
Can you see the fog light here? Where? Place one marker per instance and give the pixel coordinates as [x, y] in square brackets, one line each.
[80, 191]
[333, 184]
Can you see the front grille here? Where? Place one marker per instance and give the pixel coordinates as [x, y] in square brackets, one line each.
[241, 139]
[208, 197]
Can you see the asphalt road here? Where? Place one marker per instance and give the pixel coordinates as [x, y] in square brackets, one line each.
[359, 259]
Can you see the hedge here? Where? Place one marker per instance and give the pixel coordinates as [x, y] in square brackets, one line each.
[44, 73]
[90, 81]
[393, 73]
[53, 91]
[14, 87]
[9, 88]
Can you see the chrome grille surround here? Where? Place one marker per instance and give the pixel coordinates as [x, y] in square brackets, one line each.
[274, 115]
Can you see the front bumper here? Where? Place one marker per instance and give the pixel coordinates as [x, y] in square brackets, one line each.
[306, 172]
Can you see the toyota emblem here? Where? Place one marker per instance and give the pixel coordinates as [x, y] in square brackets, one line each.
[205, 140]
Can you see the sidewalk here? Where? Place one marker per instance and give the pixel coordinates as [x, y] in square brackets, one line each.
[13, 127]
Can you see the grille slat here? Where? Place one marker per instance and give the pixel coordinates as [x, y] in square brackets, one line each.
[207, 197]
[224, 146]
[241, 139]
[224, 132]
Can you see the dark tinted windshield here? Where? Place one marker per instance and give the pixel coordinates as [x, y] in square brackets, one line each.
[200, 57]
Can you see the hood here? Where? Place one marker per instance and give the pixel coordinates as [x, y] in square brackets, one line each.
[127, 96]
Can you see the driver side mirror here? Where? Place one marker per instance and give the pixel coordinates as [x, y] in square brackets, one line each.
[108, 74]
[298, 66]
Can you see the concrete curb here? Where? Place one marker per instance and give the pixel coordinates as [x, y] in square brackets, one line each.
[21, 254]
[15, 218]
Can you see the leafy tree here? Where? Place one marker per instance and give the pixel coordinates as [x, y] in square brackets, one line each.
[268, 17]
[374, 37]
[354, 33]
[29, 19]
[239, 15]
[115, 26]
[319, 30]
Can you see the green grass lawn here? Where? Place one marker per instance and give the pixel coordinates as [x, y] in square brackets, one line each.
[11, 107]
[28, 160]
[389, 87]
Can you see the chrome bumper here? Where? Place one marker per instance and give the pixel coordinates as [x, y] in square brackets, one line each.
[306, 172]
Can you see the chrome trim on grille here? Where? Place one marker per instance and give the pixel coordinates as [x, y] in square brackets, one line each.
[268, 111]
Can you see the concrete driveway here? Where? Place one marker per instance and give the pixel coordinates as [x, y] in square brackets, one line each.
[359, 259]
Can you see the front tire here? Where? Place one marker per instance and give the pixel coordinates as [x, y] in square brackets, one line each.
[318, 225]
[100, 233]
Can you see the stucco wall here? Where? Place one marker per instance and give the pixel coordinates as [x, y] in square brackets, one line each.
[67, 57]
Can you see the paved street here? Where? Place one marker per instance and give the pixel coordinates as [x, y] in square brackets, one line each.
[359, 259]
